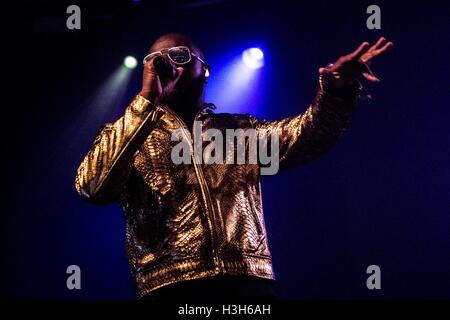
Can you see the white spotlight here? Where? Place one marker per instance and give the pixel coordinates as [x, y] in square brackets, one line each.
[130, 62]
[253, 58]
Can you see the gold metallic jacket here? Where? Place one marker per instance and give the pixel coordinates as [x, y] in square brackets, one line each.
[191, 221]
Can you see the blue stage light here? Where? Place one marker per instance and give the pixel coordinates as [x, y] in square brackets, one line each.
[236, 82]
[253, 58]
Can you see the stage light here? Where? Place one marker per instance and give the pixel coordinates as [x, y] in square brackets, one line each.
[235, 86]
[130, 62]
[253, 58]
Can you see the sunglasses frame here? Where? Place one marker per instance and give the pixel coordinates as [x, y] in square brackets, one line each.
[166, 52]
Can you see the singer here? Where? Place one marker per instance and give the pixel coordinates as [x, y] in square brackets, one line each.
[197, 230]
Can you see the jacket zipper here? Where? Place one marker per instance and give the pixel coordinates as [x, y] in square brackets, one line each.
[204, 189]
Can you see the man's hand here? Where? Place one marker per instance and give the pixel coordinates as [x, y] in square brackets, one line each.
[350, 67]
[152, 86]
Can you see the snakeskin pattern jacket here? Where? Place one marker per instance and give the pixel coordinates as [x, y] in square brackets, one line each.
[195, 220]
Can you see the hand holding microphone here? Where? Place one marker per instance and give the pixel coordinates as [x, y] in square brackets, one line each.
[159, 76]
[164, 68]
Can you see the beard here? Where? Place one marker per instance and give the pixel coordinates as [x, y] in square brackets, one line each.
[185, 93]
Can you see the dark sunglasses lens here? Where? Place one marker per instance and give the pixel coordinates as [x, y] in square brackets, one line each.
[179, 55]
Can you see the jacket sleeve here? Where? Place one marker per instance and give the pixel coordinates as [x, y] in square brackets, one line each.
[304, 137]
[106, 167]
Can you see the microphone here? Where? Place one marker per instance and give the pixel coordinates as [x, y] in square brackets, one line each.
[164, 68]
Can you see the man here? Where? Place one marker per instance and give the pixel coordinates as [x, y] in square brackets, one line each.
[195, 229]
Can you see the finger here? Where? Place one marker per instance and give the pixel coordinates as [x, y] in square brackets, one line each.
[359, 52]
[149, 65]
[371, 77]
[364, 67]
[149, 61]
[384, 49]
[378, 44]
[178, 73]
[324, 71]
[373, 50]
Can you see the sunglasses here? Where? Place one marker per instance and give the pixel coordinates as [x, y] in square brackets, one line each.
[178, 55]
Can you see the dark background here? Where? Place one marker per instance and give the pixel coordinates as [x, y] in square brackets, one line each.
[381, 196]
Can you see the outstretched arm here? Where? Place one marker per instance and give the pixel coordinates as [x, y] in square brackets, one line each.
[306, 136]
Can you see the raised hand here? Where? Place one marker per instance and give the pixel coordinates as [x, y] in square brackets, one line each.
[152, 86]
[350, 67]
